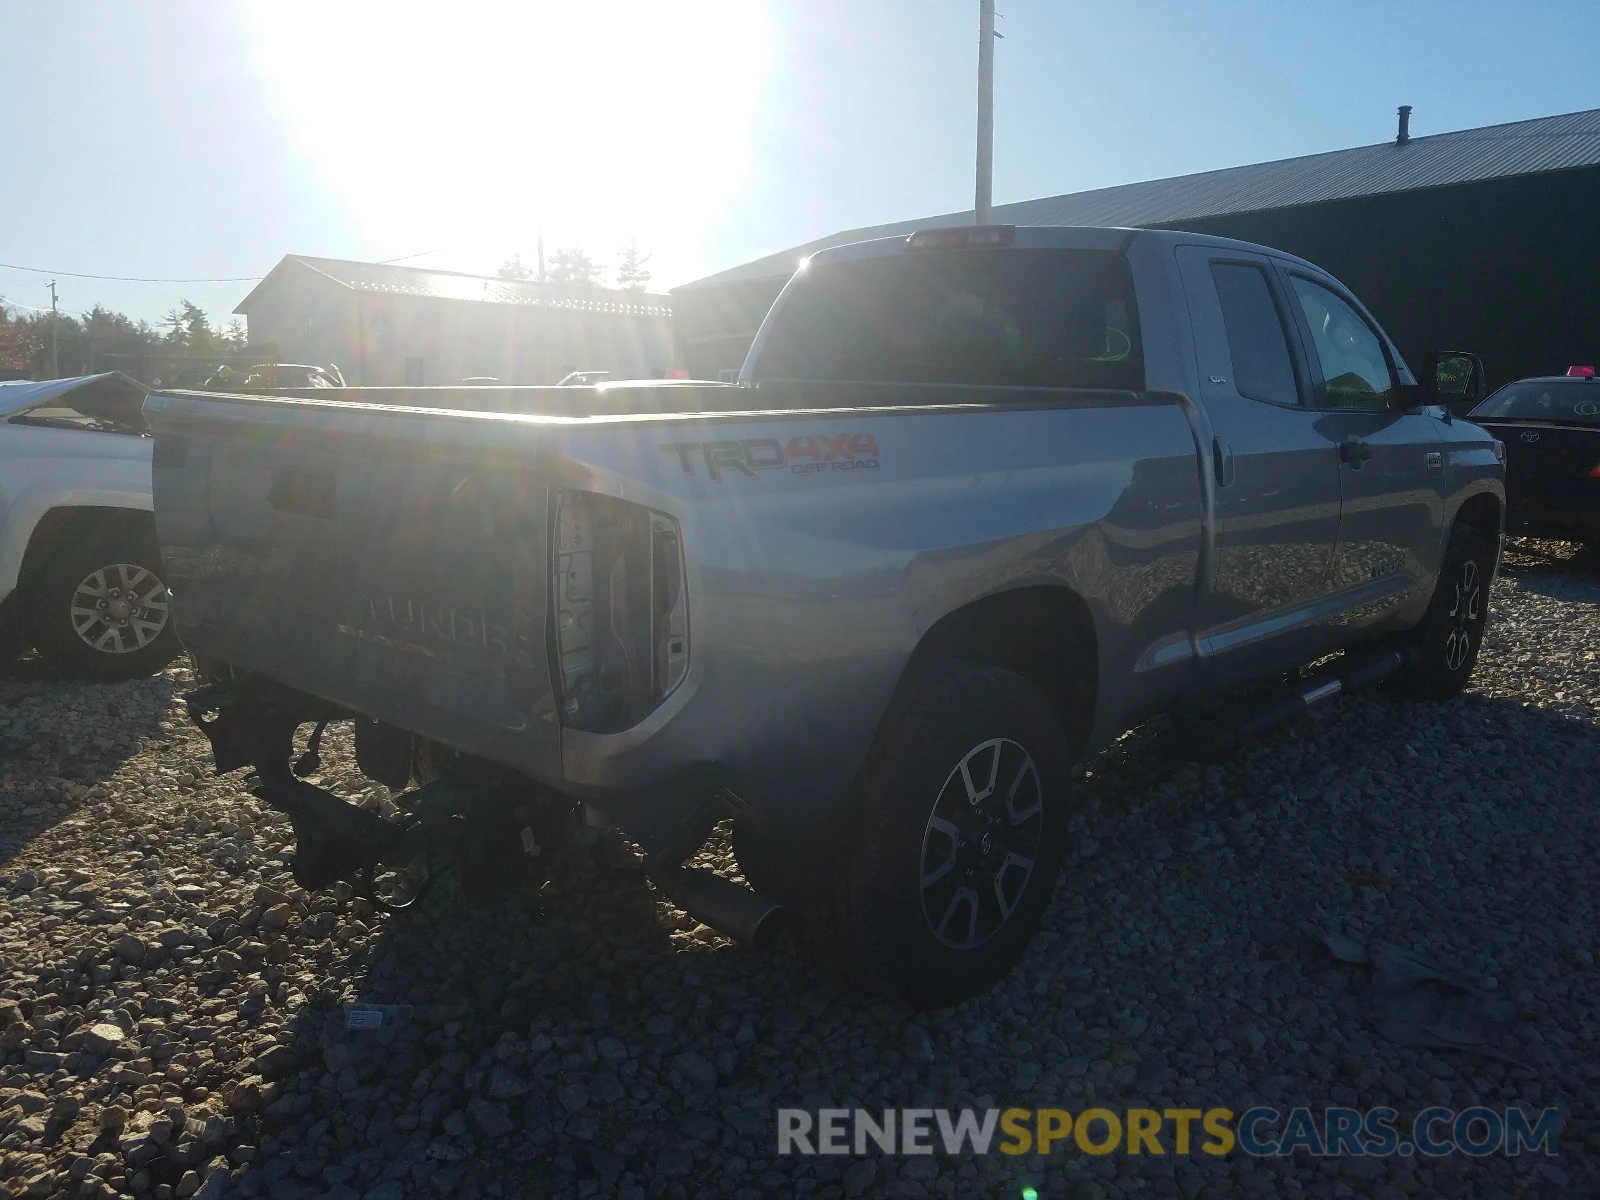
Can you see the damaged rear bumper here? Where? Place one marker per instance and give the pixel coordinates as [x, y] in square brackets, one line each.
[494, 825]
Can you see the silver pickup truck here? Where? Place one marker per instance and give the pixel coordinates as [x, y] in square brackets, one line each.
[981, 500]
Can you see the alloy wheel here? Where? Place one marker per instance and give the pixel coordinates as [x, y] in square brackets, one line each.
[1463, 617]
[119, 608]
[981, 843]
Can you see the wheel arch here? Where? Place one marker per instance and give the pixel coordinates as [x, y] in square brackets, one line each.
[39, 516]
[1483, 511]
[68, 525]
[1044, 633]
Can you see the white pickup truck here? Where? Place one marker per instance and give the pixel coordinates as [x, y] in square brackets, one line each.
[80, 576]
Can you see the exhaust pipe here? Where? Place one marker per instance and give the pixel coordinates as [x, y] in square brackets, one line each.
[744, 915]
[330, 817]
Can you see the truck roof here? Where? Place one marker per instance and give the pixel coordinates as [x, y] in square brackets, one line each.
[1058, 237]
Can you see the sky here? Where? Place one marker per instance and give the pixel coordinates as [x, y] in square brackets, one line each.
[204, 139]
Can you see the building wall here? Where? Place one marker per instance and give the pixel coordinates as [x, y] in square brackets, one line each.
[393, 340]
[279, 316]
[716, 323]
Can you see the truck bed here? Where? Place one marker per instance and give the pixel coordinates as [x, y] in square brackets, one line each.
[395, 559]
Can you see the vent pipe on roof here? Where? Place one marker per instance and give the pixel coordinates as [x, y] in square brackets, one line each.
[1404, 135]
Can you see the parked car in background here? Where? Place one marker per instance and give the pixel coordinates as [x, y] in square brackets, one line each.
[272, 377]
[596, 378]
[80, 576]
[983, 499]
[1551, 429]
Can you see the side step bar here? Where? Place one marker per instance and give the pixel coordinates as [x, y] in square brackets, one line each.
[1218, 734]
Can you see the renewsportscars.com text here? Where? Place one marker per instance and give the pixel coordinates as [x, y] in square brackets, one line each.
[1257, 1131]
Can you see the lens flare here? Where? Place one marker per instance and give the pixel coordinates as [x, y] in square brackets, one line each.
[478, 124]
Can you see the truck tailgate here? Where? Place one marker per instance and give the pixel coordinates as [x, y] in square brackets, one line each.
[392, 561]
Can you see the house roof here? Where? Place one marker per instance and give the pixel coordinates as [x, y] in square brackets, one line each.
[388, 279]
[1557, 143]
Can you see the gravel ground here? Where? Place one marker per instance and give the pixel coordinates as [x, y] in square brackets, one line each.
[172, 1008]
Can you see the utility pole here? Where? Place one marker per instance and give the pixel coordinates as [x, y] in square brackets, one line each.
[55, 357]
[980, 205]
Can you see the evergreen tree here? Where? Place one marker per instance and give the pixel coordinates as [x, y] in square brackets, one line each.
[574, 266]
[512, 268]
[631, 273]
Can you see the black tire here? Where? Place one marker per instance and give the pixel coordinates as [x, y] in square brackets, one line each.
[884, 909]
[100, 592]
[1451, 632]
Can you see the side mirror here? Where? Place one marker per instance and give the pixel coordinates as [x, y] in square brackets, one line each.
[1452, 378]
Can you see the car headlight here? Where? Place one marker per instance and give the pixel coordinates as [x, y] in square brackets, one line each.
[621, 610]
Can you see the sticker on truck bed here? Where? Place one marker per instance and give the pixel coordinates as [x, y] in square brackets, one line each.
[811, 454]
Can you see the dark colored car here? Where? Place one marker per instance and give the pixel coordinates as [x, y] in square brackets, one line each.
[1551, 430]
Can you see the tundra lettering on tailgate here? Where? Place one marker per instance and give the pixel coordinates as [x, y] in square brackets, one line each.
[464, 636]
[803, 455]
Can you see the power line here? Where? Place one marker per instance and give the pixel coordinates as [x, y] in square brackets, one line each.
[153, 279]
[131, 278]
[157, 279]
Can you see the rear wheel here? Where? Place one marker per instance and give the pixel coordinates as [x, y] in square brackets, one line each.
[100, 607]
[1451, 632]
[934, 893]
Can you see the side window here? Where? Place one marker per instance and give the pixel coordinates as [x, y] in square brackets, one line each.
[1355, 371]
[1258, 343]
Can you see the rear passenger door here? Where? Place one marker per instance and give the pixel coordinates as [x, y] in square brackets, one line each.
[1274, 468]
[1390, 461]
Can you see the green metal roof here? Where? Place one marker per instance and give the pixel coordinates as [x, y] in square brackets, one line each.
[1557, 143]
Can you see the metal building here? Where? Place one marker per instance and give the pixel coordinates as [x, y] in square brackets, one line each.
[1484, 239]
[385, 325]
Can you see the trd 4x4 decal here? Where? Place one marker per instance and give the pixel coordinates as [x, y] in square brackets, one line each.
[808, 455]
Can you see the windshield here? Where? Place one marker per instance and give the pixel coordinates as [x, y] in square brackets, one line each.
[1030, 318]
[1574, 402]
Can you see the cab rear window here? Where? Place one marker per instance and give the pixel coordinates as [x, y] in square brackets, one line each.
[1575, 403]
[1023, 318]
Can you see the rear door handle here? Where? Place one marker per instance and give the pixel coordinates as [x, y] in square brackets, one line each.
[1354, 451]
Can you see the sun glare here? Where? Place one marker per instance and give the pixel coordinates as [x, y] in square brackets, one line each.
[474, 125]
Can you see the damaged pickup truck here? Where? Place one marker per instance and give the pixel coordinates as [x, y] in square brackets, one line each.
[982, 500]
